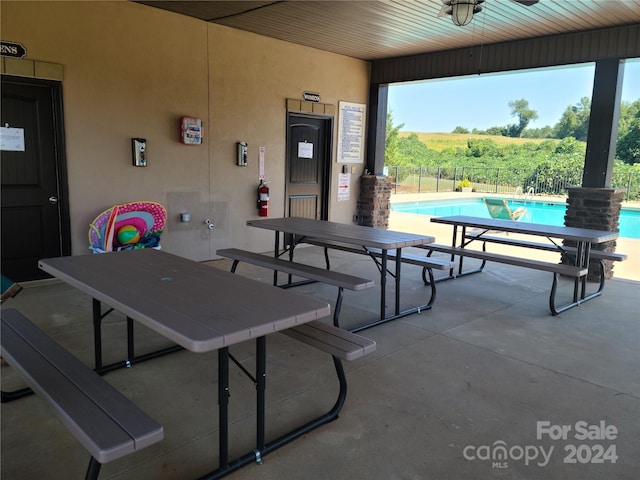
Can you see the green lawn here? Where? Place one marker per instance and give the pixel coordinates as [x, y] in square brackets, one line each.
[442, 141]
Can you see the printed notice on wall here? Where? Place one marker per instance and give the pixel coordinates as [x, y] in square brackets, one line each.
[344, 186]
[261, 152]
[351, 123]
[12, 139]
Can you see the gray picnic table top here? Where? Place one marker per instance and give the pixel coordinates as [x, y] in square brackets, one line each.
[343, 232]
[199, 307]
[584, 235]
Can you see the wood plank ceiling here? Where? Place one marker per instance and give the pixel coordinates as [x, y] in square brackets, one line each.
[374, 30]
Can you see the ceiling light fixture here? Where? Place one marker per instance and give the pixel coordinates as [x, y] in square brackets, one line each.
[462, 11]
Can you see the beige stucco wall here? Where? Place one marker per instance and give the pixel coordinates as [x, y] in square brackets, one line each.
[251, 76]
[133, 71]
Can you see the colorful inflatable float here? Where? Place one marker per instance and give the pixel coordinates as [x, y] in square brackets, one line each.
[127, 226]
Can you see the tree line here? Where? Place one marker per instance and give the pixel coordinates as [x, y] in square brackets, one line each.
[574, 122]
[553, 150]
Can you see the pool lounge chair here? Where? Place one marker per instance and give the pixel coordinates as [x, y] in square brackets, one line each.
[9, 289]
[499, 208]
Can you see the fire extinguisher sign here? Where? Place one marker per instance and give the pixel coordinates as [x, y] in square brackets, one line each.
[261, 175]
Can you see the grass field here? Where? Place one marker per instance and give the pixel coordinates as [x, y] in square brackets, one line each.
[442, 141]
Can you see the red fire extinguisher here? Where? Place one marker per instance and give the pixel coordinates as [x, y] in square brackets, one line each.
[263, 199]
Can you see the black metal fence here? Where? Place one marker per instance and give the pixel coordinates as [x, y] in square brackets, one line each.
[497, 181]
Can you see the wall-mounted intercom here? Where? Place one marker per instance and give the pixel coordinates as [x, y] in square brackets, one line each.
[241, 153]
[139, 152]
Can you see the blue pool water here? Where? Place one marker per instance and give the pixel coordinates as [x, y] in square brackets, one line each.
[537, 212]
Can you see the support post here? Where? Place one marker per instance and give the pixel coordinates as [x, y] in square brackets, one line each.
[603, 123]
[596, 209]
[374, 203]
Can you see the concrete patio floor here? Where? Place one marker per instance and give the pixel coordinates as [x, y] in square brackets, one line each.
[487, 367]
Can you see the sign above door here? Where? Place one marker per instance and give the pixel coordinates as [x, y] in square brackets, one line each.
[311, 97]
[12, 49]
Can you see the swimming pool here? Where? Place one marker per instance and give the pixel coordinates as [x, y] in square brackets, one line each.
[549, 213]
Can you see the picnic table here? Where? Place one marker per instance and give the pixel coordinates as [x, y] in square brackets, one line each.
[583, 238]
[203, 309]
[375, 242]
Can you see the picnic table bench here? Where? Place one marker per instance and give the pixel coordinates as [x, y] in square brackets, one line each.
[428, 264]
[600, 256]
[595, 253]
[340, 280]
[330, 339]
[107, 424]
[556, 269]
[517, 242]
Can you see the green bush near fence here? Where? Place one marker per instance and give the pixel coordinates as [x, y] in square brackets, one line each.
[542, 166]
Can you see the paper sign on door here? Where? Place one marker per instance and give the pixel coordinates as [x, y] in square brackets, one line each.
[12, 139]
[305, 150]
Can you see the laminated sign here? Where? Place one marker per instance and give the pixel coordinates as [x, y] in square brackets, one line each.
[351, 132]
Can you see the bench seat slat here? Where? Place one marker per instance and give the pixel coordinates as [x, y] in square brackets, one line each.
[90, 425]
[105, 422]
[567, 270]
[337, 279]
[328, 338]
[433, 263]
[594, 253]
[333, 340]
[513, 242]
[140, 427]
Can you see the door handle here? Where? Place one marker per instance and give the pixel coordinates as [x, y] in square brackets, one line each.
[53, 200]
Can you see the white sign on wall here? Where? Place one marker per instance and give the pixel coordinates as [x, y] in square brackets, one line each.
[344, 186]
[261, 155]
[351, 124]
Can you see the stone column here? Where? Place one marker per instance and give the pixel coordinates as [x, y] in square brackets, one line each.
[374, 203]
[597, 209]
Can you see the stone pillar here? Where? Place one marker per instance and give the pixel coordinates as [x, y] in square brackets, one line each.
[597, 209]
[374, 203]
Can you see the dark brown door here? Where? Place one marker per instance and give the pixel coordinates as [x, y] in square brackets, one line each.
[308, 166]
[34, 202]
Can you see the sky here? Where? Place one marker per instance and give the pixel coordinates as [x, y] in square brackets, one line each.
[482, 101]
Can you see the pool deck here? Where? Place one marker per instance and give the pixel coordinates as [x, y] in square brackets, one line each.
[411, 222]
